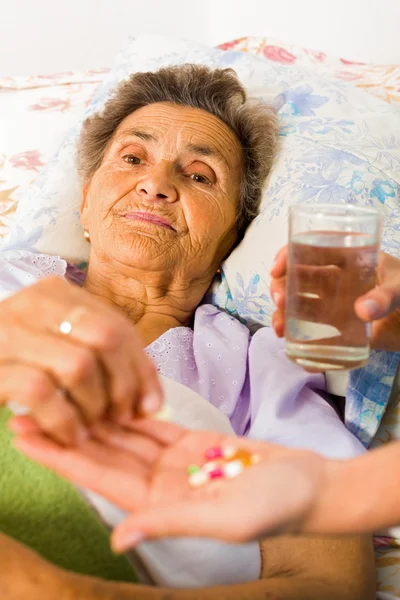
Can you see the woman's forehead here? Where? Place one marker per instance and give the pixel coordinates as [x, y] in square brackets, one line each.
[167, 123]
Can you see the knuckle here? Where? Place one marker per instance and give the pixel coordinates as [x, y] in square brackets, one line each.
[37, 385]
[80, 367]
[107, 336]
[65, 419]
[123, 393]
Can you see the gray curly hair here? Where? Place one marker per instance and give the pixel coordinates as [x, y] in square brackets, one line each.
[217, 91]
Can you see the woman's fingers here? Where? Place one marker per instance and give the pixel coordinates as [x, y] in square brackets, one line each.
[161, 431]
[36, 390]
[278, 290]
[279, 266]
[378, 303]
[74, 368]
[114, 474]
[145, 448]
[181, 519]
[89, 348]
[278, 322]
[24, 425]
[132, 380]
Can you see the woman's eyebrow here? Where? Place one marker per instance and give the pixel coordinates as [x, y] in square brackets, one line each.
[142, 135]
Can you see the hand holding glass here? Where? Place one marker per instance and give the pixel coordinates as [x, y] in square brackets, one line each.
[332, 260]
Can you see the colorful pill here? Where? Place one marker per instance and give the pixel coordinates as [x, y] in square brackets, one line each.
[229, 451]
[198, 479]
[211, 466]
[216, 474]
[164, 414]
[213, 453]
[243, 456]
[192, 469]
[233, 468]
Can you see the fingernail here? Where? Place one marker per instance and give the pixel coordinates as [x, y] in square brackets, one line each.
[128, 541]
[151, 403]
[371, 306]
[276, 297]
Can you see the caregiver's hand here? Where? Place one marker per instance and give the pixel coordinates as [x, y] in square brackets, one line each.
[69, 380]
[381, 305]
[143, 470]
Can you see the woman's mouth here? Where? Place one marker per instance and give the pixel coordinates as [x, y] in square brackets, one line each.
[149, 217]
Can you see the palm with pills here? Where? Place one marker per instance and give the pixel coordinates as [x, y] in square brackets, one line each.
[144, 470]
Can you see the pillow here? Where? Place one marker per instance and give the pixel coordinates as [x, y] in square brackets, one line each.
[380, 80]
[338, 144]
[36, 113]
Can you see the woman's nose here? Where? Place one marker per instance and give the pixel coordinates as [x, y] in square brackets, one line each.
[157, 184]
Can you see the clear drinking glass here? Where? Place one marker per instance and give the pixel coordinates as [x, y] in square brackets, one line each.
[332, 260]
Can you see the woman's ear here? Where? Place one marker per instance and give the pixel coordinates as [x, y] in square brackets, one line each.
[84, 205]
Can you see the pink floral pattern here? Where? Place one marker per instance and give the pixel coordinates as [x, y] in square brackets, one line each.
[278, 54]
[30, 159]
[51, 104]
[48, 106]
[379, 80]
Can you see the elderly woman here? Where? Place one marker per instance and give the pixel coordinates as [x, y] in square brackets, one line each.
[172, 174]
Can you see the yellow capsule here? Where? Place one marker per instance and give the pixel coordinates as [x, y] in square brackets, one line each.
[244, 456]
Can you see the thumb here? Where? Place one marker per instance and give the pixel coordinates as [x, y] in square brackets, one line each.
[378, 303]
[175, 521]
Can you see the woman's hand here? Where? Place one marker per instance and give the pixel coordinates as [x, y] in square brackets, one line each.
[381, 305]
[143, 470]
[70, 380]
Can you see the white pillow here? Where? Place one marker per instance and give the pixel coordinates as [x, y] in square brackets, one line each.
[338, 144]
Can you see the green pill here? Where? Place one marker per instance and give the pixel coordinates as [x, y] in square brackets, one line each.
[192, 469]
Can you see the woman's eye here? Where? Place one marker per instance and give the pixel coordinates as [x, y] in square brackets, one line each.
[200, 178]
[131, 159]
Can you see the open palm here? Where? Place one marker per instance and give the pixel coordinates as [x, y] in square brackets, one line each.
[143, 470]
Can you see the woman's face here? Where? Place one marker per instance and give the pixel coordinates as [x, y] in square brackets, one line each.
[165, 197]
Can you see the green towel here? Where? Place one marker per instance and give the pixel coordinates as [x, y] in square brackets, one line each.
[43, 511]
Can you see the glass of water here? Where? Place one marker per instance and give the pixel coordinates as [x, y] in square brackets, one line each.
[332, 260]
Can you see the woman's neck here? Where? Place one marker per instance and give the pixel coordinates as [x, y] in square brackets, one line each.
[153, 303]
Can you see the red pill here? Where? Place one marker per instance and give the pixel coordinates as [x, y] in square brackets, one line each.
[217, 473]
[213, 453]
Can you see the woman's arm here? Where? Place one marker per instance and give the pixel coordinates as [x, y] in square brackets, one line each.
[365, 492]
[294, 569]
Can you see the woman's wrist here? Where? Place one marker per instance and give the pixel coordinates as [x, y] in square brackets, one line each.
[336, 509]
